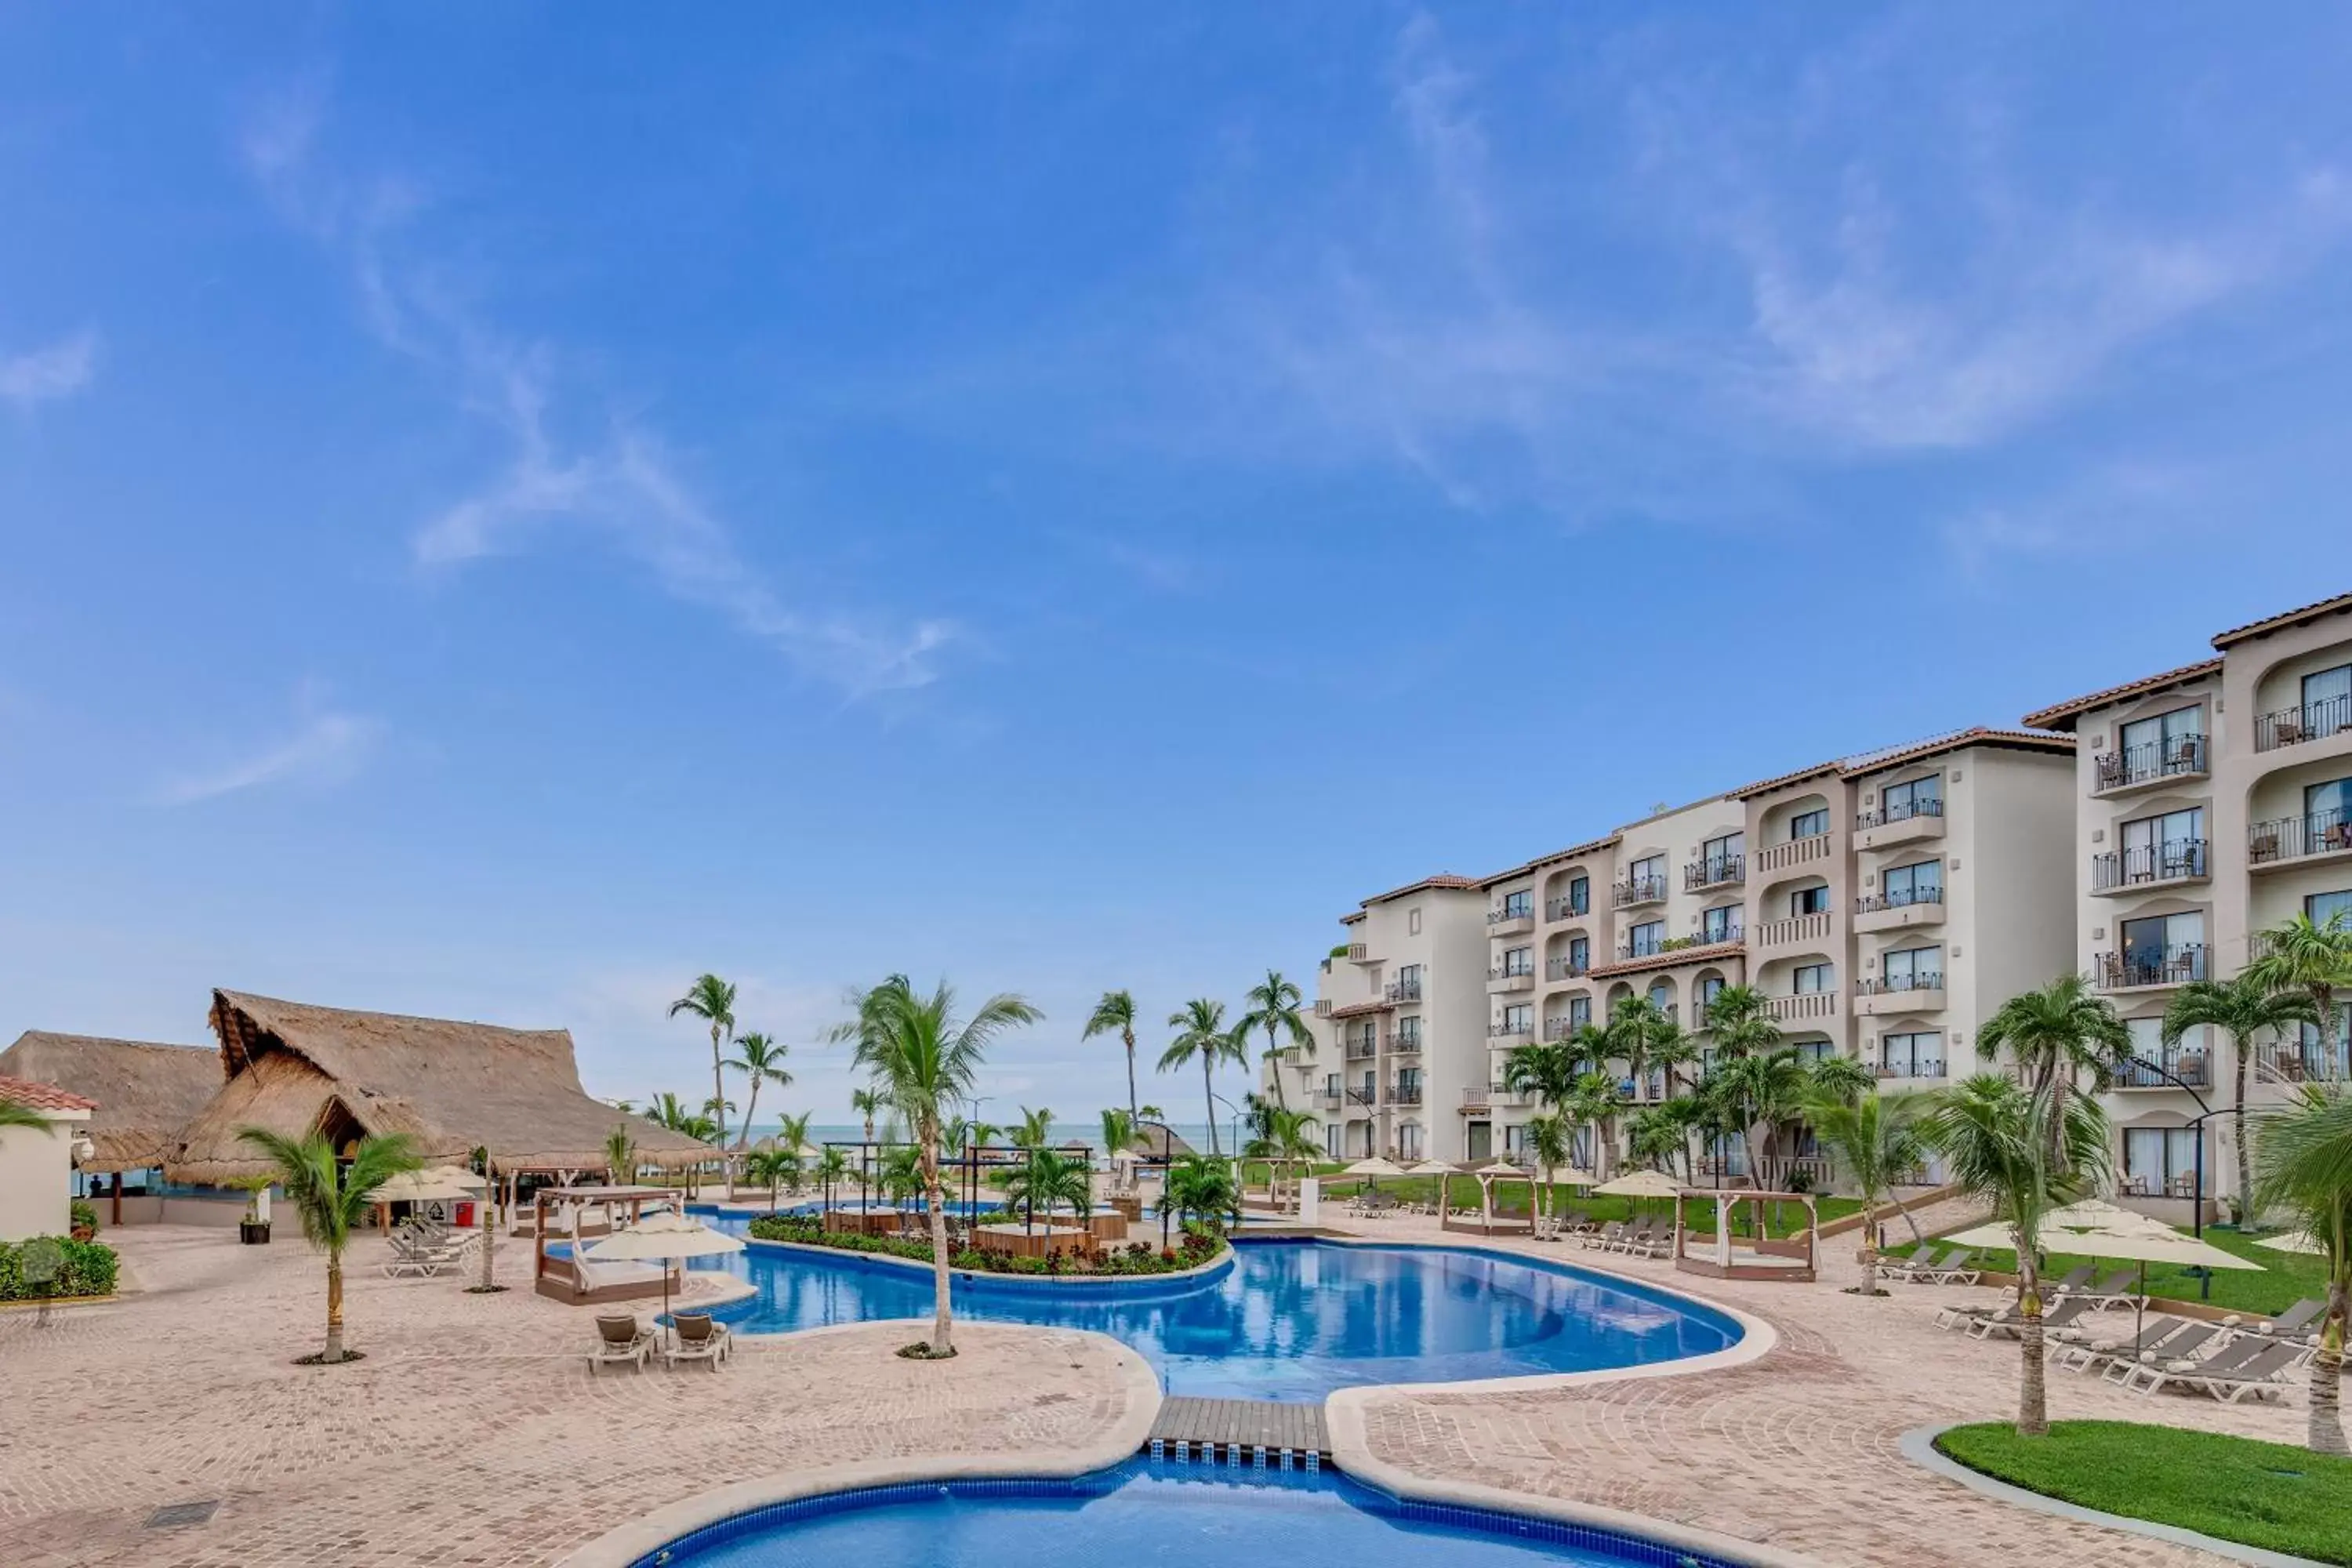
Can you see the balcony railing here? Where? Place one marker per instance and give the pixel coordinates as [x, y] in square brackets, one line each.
[1629, 951]
[2302, 1061]
[1635, 891]
[1329, 1099]
[1522, 971]
[1569, 909]
[2183, 756]
[1477, 1097]
[1401, 1094]
[1559, 1028]
[2311, 721]
[1404, 1042]
[2152, 966]
[2293, 838]
[1362, 1049]
[2166, 1072]
[1363, 1096]
[1509, 1031]
[2180, 860]
[1873, 903]
[1323, 1003]
[1895, 984]
[1567, 966]
[1403, 990]
[1916, 1067]
[1793, 852]
[1801, 1005]
[1796, 928]
[1714, 872]
[1506, 913]
[1902, 811]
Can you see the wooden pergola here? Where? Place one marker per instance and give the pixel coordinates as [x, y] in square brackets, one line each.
[567, 1279]
[1759, 1257]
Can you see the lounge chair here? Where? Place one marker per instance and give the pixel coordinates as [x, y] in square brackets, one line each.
[2115, 1290]
[412, 1258]
[620, 1339]
[2081, 1347]
[2182, 1344]
[2009, 1320]
[2297, 1324]
[1605, 1237]
[695, 1337]
[2245, 1366]
[2076, 1277]
[1958, 1266]
[1920, 1265]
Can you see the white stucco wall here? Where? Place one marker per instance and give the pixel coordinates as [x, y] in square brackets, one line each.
[37, 1177]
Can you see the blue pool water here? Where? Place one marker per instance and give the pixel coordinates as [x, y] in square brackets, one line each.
[1142, 1515]
[1288, 1321]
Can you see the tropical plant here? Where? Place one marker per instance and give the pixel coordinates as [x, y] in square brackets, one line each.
[2242, 1008]
[924, 1059]
[769, 1168]
[1201, 1187]
[1594, 1101]
[2056, 1035]
[1644, 1036]
[1545, 1069]
[1036, 1129]
[1151, 1114]
[2314, 957]
[1877, 1139]
[1201, 1035]
[1997, 1141]
[1048, 1179]
[900, 1177]
[1546, 1138]
[1739, 1022]
[1114, 1013]
[14, 1114]
[712, 1000]
[1118, 1132]
[1755, 1093]
[701, 1129]
[478, 1159]
[868, 1103]
[330, 1198]
[665, 1109]
[791, 1138]
[1281, 1138]
[1843, 1077]
[760, 1059]
[1272, 1005]
[832, 1165]
[2303, 1167]
[1658, 1134]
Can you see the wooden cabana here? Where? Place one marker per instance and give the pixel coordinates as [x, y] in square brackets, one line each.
[147, 1093]
[1723, 1256]
[1487, 1221]
[577, 1215]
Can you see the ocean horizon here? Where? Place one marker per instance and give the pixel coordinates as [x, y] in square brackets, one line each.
[1073, 1132]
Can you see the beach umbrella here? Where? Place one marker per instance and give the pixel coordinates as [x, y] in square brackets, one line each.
[1640, 1184]
[2144, 1245]
[2294, 1241]
[1372, 1169]
[663, 1238]
[419, 1187]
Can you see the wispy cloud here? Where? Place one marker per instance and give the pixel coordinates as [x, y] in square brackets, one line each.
[2081, 518]
[622, 486]
[330, 747]
[47, 374]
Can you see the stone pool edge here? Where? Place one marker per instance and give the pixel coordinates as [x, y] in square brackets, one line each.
[624, 1545]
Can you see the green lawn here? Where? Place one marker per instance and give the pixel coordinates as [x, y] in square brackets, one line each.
[2287, 1277]
[2257, 1494]
[1511, 1197]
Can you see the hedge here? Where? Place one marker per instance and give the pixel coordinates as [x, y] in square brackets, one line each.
[87, 1269]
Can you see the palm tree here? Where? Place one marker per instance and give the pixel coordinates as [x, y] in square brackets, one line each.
[832, 1165]
[925, 1060]
[2057, 1034]
[1282, 1137]
[1118, 1132]
[1656, 1134]
[665, 1109]
[1547, 1070]
[2243, 1009]
[1877, 1139]
[1739, 1022]
[1200, 1186]
[1645, 1036]
[14, 1114]
[1115, 1012]
[1593, 1101]
[332, 1198]
[1272, 1006]
[2316, 958]
[1756, 1093]
[768, 1168]
[868, 1103]
[901, 1175]
[791, 1138]
[1036, 1129]
[1996, 1140]
[760, 1059]
[2305, 1169]
[712, 1000]
[1048, 1179]
[1546, 1137]
[1201, 1037]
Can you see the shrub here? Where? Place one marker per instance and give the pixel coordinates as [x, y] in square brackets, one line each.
[1202, 1241]
[85, 1268]
[84, 1220]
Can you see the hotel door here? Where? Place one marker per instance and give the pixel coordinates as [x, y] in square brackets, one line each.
[1482, 1141]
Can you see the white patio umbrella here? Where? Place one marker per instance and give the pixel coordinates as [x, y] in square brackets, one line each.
[665, 1237]
[1372, 1169]
[1640, 1184]
[2294, 1241]
[2160, 1245]
[419, 1187]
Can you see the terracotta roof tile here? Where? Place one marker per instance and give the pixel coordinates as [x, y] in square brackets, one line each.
[1817, 771]
[1670, 959]
[42, 1096]
[2023, 739]
[2341, 602]
[1358, 1009]
[1571, 853]
[1443, 882]
[2049, 718]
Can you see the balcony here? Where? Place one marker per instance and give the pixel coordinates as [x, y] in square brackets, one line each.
[2302, 1061]
[1322, 1006]
[1565, 966]
[2192, 1069]
[1905, 994]
[1559, 1028]
[1510, 920]
[1891, 826]
[2293, 726]
[1794, 853]
[1916, 1068]
[1502, 979]
[1667, 947]
[1509, 1034]
[2133, 767]
[2149, 865]
[1799, 1006]
[1360, 952]
[1479, 1096]
[2291, 841]
[1360, 1099]
[1400, 1094]
[1807, 928]
[1569, 909]
[1404, 1044]
[1329, 1100]
[1715, 871]
[1362, 1050]
[2140, 968]
[1898, 911]
[1403, 990]
[1634, 892]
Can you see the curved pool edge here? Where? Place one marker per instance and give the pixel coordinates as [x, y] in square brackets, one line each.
[624, 1545]
[1140, 1286]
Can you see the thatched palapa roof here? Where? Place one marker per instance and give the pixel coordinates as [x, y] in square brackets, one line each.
[451, 1087]
[146, 1093]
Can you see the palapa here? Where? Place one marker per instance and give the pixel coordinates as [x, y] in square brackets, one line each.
[147, 1093]
[451, 1087]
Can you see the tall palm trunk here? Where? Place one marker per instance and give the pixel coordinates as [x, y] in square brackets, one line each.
[1272, 1046]
[1133, 1114]
[1209, 1095]
[941, 1312]
[2245, 1154]
[334, 1306]
[751, 1105]
[1869, 1246]
[719, 1107]
[2033, 1395]
[489, 1228]
[2324, 1433]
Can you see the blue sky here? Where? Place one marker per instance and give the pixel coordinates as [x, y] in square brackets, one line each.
[506, 508]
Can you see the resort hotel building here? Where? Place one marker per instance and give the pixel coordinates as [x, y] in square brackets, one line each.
[1886, 904]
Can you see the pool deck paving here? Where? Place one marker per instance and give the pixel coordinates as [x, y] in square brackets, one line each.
[475, 1433]
[1798, 1449]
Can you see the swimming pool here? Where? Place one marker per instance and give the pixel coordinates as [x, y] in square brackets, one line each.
[1289, 1319]
[1150, 1515]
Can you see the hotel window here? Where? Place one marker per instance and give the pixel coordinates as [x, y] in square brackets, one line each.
[1648, 872]
[1811, 824]
[1917, 1054]
[2327, 817]
[1409, 1139]
[1913, 969]
[1519, 961]
[1579, 896]
[1579, 1012]
[1918, 798]
[1720, 856]
[2165, 744]
[1409, 976]
[1522, 903]
[1409, 1032]
[1579, 953]
[2157, 1157]
[1662, 996]
[1708, 990]
[2323, 907]
[1808, 978]
[1809, 901]
[1332, 1135]
[1719, 925]
[1645, 939]
[1409, 1080]
[2159, 848]
[2327, 701]
[1413, 920]
[1519, 1018]
[1812, 1051]
[2163, 948]
[1514, 1141]
[1920, 882]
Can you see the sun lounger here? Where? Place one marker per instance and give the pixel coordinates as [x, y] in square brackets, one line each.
[1958, 1268]
[2297, 1324]
[2115, 1290]
[695, 1337]
[2084, 1345]
[2247, 1367]
[619, 1339]
[2182, 1343]
[1920, 1266]
[412, 1258]
[1602, 1237]
[2012, 1322]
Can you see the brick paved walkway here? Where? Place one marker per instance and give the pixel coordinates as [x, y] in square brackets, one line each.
[474, 1433]
[1797, 1449]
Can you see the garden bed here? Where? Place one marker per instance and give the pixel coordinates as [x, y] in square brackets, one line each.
[84, 1268]
[1200, 1245]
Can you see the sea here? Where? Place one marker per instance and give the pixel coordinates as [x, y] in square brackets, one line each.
[1087, 1132]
